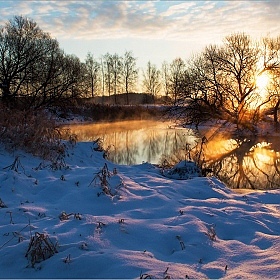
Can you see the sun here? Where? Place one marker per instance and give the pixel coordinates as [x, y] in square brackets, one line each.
[263, 84]
[262, 81]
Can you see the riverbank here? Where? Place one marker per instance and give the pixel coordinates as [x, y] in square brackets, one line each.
[240, 161]
[104, 220]
[89, 112]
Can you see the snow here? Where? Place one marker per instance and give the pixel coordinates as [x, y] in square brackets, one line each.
[146, 226]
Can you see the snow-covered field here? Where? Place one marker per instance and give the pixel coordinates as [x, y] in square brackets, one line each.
[146, 226]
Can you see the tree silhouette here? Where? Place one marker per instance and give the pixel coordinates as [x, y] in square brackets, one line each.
[221, 84]
[130, 73]
[33, 69]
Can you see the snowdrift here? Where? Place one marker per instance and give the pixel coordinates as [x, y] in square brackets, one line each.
[103, 220]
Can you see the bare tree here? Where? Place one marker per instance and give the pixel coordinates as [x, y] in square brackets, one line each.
[221, 83]
[71, 78]
[113, 73]
[103, 78]
[130, 73]
[176, 72]
[271, 65]
[151, 81]
[107, 72]
[116, 67]
[165, 77]
[270, 53]
[274, 95]
[22, 45]
[59, 80]
[239, 64]
[92, 74]
[33, 69]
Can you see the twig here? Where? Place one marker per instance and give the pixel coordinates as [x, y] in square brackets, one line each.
[11, 217]
[181, 242]
[15, 165]
[13, 237]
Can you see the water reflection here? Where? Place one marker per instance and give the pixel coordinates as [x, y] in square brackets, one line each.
[134, 142]
[239, 162]
[245, 162]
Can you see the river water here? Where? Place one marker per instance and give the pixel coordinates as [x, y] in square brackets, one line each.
[239, 162]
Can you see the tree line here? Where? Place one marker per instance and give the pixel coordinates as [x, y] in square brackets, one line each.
[112, 74]
[35, 72]
[220, 82]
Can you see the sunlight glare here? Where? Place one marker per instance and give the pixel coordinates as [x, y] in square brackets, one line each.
[263, 156]
[262, 85]
[262, 81]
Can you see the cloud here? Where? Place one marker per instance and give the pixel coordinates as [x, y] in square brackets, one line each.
[213, 20]
[176, 20]
[176, 9]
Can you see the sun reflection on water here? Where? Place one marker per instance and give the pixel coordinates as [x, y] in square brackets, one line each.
[240, 163]
[244, 164]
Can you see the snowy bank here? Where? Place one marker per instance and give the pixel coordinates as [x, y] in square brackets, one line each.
[111, 221]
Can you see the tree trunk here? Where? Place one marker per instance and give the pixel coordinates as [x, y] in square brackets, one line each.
[275, 115]
[275, 112]
[127, 101]
[7, 97]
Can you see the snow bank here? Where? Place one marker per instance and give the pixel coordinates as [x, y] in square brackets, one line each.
[146, 226]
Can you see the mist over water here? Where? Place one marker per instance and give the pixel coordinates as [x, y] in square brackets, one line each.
[135, 142]
[239, 162]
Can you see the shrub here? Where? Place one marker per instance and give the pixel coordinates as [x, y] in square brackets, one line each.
[32, 131]
[211, 233]
[109, 182]
[40, 248]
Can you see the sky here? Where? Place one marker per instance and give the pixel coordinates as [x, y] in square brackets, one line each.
[154, 31]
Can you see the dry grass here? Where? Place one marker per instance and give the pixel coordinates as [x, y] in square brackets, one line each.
[32, 131]
[2, 204]
[211, 233]
[40, 248]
